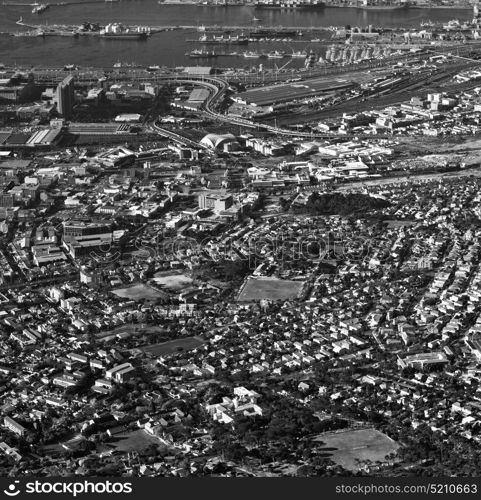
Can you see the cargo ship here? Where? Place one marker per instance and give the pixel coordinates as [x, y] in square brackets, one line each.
[289, 4]
[120, 64]
[274, 33]
[203, 54]
[117, 31]
[124, 36]
[299, 54]
[382, 7]
[38, 8]
[276, 54]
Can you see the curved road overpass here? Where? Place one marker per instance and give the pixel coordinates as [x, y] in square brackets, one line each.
[217, 88]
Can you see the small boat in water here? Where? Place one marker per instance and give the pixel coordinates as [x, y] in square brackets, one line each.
[120, 64]
[299, 54]
[200, 53]
[276, 54]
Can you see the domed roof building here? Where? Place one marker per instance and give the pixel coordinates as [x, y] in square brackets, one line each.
[216, 141]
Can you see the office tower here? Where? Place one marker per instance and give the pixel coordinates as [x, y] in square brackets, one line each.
[65, 97]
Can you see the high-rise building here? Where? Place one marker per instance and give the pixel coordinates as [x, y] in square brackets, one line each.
[66, 97]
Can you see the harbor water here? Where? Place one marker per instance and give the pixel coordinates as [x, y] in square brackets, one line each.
[169, 48]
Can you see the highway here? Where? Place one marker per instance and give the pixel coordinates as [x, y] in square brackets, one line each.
[217, 89]
[179, 139]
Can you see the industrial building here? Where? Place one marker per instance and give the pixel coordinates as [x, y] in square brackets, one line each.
[217, 202]
[276, 94]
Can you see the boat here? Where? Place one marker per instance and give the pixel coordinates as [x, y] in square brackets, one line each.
[299, 54]
[290, 4]
[117, 31]
[427, 24]
[124, 36]
[273, 33]
[234, 40]
[200, 53]
[382, 7]
[276, 54]
[153, 68]
[120, 64]
[39, 8]
[70, 67]
[251, 55]
[256, 20]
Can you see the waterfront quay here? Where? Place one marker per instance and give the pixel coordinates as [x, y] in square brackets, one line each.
[72, 30]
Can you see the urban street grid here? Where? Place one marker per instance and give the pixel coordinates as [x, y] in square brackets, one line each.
[265, 269]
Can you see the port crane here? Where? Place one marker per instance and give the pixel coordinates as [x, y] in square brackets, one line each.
[281, 68]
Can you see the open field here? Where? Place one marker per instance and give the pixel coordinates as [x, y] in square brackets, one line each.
[130, 330]
[138, 292]
[354, 446]
[172, 346]
[270, 289]
[137, 440]
[173, 281]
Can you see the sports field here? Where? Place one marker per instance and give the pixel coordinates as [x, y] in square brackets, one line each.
[173, 346]
[139, 292]
[270, 289]
[353, 447]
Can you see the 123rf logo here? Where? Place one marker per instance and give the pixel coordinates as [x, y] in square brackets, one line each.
[69, 488]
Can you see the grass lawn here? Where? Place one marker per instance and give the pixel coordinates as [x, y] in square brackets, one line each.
[349, 447]
[172, 346]
[138, 292]
[136, 440]
[269, 288]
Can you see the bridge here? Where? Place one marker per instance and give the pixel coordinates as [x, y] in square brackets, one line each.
[179, 139]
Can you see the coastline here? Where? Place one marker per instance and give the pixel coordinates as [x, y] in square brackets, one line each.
[328, 6]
